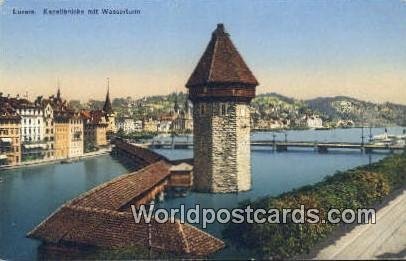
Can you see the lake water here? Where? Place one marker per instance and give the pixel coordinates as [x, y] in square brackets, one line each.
[29, 195]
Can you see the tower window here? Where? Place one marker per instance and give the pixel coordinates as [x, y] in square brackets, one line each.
[223, 109]
[202, 108]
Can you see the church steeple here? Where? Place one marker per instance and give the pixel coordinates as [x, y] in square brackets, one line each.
[58, 93]
[107, 108]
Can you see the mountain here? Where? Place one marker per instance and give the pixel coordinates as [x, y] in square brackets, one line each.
[361, 112]
[276, 107]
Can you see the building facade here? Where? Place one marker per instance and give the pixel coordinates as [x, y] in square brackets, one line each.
[69, 136]
[75, 136]
[61, 136]
[183, 121]
[314, 121]
[221, 88]
[10, 141]
[95, 126]
[48, 125]
[126, 124]
[150, 125]
[32, 128]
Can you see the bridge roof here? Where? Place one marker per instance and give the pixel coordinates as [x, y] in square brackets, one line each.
[95, 218]
[108, 228]
[122, 190]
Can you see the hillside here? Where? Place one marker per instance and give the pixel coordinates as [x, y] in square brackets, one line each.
[361, 112]
[274, 107]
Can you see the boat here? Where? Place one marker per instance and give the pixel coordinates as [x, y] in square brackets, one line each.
[67, 161]
[389, 139]
[322, 128]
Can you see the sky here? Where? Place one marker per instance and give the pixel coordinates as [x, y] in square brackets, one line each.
[302, 49]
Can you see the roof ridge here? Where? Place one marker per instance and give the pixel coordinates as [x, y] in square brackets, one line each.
[212, 59]
[202, 231]
[183, 236]
[101, 186]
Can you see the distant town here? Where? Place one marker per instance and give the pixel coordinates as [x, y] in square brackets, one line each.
[46, 129]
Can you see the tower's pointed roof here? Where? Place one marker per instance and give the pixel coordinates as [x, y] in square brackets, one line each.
[107, 104]
[221, 63]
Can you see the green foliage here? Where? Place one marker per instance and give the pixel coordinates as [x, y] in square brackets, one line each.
[361, 187]
[136, 136]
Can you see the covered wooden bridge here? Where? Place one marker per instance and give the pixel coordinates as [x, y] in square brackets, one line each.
[102, 216]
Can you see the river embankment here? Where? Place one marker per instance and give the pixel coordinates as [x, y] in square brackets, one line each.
[34, 163]
[361, 187]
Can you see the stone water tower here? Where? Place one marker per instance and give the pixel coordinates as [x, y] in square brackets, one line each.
[221, 88]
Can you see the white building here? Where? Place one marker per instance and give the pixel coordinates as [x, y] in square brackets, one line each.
[75, 137]
[314, 121]
[165, 126]
[126, 124]
[138, 125]
[32, 129]
[32, 123]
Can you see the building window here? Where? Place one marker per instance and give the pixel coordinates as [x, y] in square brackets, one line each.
[223, 109]
[202, 108]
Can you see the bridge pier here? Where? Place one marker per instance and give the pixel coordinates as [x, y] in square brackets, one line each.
[281, 148]
[181, 146]
[322, 149]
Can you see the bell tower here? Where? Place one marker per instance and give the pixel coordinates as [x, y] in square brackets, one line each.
[221, 88]
[108, 110]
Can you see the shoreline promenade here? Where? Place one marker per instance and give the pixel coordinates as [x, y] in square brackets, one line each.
[35, 163]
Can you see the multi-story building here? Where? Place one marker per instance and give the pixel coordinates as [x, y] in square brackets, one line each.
[32, 128]
[76, 136]
[69, 135]
[150, 125]
[166, 123]
[221, 88]
[10, 141]
[95, 126]
[126, 124]
[61, 122]
[184, 120]
[138, 125]
[314, 121]
[48, 125]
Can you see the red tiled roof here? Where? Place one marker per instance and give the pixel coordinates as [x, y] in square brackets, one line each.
[221, 63]
[108, 228]
[95, 218]
[124, 189]
[93, 117]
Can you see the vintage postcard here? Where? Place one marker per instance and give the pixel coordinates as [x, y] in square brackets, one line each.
[236, 129]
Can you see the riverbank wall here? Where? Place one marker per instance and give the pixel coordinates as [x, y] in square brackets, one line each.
[358, 188]
[55, 161]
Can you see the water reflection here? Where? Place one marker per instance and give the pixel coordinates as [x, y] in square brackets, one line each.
[27, 196]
